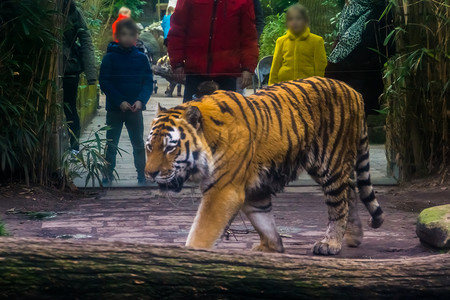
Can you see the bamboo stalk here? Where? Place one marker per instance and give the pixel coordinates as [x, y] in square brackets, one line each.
[418, 118]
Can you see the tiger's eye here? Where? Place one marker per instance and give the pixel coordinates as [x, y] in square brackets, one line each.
[170, 148]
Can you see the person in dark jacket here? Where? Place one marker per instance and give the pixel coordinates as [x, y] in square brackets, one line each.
[213, 40]
[126, 79]
[359, 54]
[78, 57]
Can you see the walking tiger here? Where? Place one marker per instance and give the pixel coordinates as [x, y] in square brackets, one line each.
[244, 150]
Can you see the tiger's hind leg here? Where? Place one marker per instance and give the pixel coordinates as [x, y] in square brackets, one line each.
[354, 232]
[336, 189]
[258, 209]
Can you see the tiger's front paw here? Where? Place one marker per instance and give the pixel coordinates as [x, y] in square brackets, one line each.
[327, 247]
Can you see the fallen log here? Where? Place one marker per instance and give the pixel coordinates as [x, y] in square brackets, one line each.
[54, 269]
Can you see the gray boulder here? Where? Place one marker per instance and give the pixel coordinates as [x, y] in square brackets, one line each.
[433, 226]
[153, 43]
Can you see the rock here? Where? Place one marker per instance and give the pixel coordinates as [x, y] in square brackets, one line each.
[153, 43]
[433, 226]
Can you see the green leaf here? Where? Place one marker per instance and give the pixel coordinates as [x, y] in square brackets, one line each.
[25, 28]
[388, 38]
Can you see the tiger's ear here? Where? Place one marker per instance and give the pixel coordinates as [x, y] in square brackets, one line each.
[193, 116]
[160, 109]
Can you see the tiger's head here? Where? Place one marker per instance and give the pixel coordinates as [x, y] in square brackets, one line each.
[174, 148]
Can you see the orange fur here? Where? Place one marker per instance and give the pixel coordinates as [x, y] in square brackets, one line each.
[244, 150]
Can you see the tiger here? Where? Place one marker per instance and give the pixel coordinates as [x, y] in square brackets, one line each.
[245, 150]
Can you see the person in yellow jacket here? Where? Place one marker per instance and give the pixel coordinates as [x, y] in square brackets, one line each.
[299, 53]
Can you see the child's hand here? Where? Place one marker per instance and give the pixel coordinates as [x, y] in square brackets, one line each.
[137, 106]
[179, 75]
[124, 106]
[246, 79]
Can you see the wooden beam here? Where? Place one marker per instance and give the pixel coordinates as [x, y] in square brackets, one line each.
[54, 269]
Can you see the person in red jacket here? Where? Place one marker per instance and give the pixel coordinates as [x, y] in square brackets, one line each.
[213, 40]
[124, 13]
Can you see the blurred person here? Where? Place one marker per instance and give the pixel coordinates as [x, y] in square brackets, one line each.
[78, 57]
[213, 40]
[126, 79]
[124, 13]
[299, 53]
[165, 24]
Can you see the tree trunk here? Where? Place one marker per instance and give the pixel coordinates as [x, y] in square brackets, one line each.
[53, 269]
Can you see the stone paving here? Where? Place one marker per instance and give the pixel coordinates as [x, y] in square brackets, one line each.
[125, 166]
[144, 216]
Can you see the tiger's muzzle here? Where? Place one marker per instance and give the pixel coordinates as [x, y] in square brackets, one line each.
[174, 185]
[172, 182]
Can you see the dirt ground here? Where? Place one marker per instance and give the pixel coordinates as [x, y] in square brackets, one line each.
[143, 216]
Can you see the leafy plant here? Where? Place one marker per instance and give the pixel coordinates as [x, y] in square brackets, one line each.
[97, 16]
[324, 17]
[275, 7]
[417, 88]
[275, 27]
[3, 231]
[28, 103]
[89, 161]
[331, 36]
[134, 5]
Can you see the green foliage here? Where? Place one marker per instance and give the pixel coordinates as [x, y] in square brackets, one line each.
[331, 36]
[97, 14]
[417, 88]
[102, 8]
[324, 18]
[274, 7]
[28, 45]
[275, 27]
[134, 5]
[89, 161]
[3, 231]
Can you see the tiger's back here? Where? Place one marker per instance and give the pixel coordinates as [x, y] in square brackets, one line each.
[257, 145]
[284, 127]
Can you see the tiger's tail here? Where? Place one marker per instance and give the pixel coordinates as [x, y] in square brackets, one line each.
[366, 193]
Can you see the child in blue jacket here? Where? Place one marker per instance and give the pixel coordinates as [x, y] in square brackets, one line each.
[126, 79]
